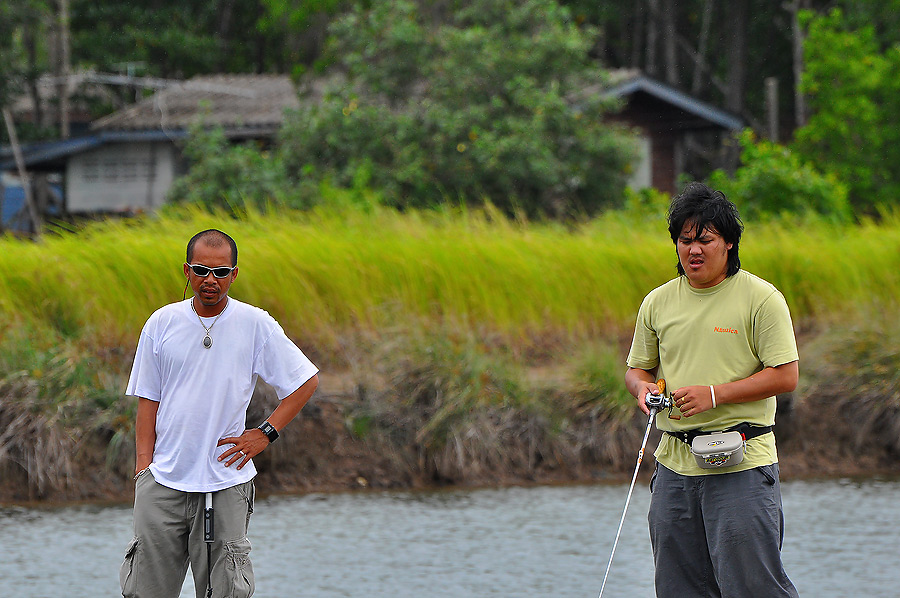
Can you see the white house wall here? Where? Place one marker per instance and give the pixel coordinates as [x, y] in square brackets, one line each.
[120, 177]
[642, 173]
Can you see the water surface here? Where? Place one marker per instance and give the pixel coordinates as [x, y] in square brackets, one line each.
[841, 540]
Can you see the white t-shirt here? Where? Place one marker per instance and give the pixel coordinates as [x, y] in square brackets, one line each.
[203, 394]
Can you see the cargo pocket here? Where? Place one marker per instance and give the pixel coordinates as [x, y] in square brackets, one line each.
[238, 570]
[128, 571]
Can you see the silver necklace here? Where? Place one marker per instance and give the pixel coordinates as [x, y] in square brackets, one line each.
[207, 340]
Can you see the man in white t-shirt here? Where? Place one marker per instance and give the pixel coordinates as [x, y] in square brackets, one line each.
[196, 365]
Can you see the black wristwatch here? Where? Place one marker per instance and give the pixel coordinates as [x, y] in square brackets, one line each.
[269, 430]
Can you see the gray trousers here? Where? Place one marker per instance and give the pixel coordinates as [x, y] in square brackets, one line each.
[718, 536]
[168, 536]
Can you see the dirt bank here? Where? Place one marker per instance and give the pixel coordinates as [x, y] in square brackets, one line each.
[318, 452]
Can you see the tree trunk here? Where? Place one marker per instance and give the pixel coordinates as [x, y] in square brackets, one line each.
[637, 34]
[260, 43]
[702, 43]
[223, 32]
[797, 38]
[669, 17]
[30, 42]
[652, 37]
[737, 56]
[61, 67]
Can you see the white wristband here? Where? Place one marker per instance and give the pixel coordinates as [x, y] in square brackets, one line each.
[712, 391]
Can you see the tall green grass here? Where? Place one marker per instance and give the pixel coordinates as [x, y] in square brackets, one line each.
[329, 277]
[474, 342]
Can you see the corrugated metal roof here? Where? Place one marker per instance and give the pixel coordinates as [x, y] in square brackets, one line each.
[37, 153]
[244, 101]
[42, 153]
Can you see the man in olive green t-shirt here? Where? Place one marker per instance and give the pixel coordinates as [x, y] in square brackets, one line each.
[723, 341]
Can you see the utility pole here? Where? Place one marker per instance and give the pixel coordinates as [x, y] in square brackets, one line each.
[772, 108]
[23, 174]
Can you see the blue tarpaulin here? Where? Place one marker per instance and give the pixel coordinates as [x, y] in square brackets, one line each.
[14, 214]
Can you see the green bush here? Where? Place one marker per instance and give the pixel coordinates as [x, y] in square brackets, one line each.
[242, 177]
[222, 174]
[775, 181]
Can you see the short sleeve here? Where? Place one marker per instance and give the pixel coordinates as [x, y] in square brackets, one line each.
[644, 353]
[282, 364]
[774, 332]
[145, 380]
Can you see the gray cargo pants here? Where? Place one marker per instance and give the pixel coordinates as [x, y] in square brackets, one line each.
[168, 536]
[718, 536]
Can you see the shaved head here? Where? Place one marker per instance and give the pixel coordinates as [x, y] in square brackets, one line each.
[212, 238]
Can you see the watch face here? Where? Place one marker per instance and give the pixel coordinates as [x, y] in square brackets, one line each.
[269, 430]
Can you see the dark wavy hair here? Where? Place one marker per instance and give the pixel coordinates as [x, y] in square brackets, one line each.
[707, 209]
[214, 238]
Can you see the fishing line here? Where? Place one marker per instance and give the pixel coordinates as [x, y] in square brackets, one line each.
[656, 403]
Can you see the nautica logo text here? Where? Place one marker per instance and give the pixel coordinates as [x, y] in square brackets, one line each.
[731, 330]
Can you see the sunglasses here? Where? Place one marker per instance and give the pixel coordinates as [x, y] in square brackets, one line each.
[203, 271]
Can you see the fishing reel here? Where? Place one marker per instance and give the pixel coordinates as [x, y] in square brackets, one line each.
[658, 402]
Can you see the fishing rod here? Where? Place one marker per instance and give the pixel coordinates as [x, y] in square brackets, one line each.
[656, 402]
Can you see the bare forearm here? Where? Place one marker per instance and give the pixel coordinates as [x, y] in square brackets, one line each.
[766, 383]
[636, 380]
[291, 405]
[639, 382]
[253, 442]
[145, 433]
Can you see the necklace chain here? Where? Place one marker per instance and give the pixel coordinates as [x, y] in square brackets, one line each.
[207, 340]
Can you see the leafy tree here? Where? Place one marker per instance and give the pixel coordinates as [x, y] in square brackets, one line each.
[300, 27]
[166, 38]
[182, 38]
[882, 16]
[487, 101]
[24, 27]
[854, 93]
[10, 65]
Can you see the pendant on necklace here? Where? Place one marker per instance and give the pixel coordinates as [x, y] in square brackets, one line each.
[207, 341]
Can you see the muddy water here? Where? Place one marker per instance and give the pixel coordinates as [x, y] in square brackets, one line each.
[841, 540]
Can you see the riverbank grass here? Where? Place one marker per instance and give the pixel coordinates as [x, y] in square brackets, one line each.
[471, 344]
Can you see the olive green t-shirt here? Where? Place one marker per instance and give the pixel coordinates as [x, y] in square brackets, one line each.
[712, 336]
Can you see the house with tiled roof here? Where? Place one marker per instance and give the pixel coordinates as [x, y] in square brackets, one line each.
[129, 159]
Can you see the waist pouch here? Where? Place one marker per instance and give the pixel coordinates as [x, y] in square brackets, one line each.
[720, 449]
